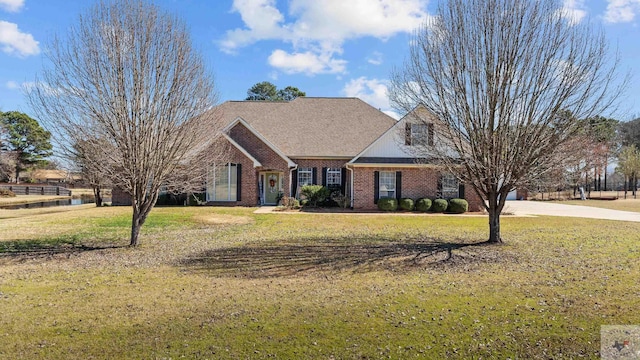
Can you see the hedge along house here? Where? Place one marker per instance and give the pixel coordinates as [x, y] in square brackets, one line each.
[400, 164]
[342, 143]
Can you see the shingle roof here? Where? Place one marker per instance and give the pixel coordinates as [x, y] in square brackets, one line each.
[312, 127]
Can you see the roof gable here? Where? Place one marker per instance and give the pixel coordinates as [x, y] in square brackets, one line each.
[391, 144]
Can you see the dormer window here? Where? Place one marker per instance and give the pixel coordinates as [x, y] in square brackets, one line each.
[417, 134]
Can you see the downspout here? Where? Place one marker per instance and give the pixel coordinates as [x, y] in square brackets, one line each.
[350, 185]
[291, 170]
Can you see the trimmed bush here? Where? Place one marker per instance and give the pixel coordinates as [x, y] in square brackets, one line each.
[423, 204]
[315, 194]
[388, 204]
[406, 204]
[341, 200]
[458, 206]
[290, 202]
[439, 205]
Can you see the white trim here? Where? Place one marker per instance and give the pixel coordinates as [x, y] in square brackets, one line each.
[389, 165]
[240, 120]
[256, 163]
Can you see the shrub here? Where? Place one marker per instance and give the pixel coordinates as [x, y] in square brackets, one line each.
[7, 193]
[423, 204]
[341, 200]
[388, 204]
[439, 205]
[458, 206]
[290, 202]
[315, 194]
[406, 204]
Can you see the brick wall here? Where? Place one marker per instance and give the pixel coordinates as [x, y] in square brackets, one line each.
[120, 198]
[269, 159]
[416, 183]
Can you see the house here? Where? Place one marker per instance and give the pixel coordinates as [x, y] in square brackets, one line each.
[341, 143]
[43, 176]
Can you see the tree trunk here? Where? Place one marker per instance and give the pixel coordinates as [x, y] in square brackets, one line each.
[136, 224]
[97, 195]
[141, 209]
[494, 227]
[496, 203]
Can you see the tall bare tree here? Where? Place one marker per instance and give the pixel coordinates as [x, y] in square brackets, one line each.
[501, 77]
[127, 74]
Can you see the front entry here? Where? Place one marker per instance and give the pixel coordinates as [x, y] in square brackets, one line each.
[271, 188]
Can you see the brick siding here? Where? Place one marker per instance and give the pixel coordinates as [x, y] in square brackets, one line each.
[416, 183]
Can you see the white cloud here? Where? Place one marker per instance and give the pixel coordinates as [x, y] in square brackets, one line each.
[317, 30]
[307, 62]
[573, 10]
[11, 5]
[15, 42]
[619, 11]
[12, 85]
[375, 58]
[372, 91]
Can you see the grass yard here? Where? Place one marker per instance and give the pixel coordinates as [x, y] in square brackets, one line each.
[215, 283]
[618, 204]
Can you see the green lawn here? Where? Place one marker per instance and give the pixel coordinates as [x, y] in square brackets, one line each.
[630, 204]
[226, 283]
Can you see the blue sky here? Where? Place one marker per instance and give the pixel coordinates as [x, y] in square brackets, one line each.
[326, 48]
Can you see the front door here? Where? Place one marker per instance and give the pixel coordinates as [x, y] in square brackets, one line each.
[271, 188]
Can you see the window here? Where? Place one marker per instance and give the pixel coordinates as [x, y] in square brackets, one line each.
[305, 177]
[224, 186]
[334, 177]
[387, 184]
[419, 134]
[450, 186]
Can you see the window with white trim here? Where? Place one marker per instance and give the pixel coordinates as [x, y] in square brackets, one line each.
[305, 176]
[387, 186]
[334, 177]
[450, 186]
[419, 134]
[224, 184]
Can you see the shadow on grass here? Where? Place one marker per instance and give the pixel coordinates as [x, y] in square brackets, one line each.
[37, 248]
[331, 255]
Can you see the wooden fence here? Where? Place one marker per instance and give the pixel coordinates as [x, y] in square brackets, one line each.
[37, 190]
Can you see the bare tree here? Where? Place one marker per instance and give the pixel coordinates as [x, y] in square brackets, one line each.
[127, 82]
[501, 76]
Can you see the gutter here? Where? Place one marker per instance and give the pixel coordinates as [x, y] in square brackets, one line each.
[291, 169]
[349, 167]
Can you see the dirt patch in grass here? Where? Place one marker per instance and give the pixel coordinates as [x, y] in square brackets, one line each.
[222, 219]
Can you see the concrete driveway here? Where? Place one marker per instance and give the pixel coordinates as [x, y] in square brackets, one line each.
[555, 209]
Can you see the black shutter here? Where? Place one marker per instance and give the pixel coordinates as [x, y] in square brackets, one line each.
[461, 191]
[430, 134]
[314, 176]
[376, 186]
[407, 133]
[239, 182]
[294, 183]
[439, 194]
[398, 185]
[343, 181]
[324, 176]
